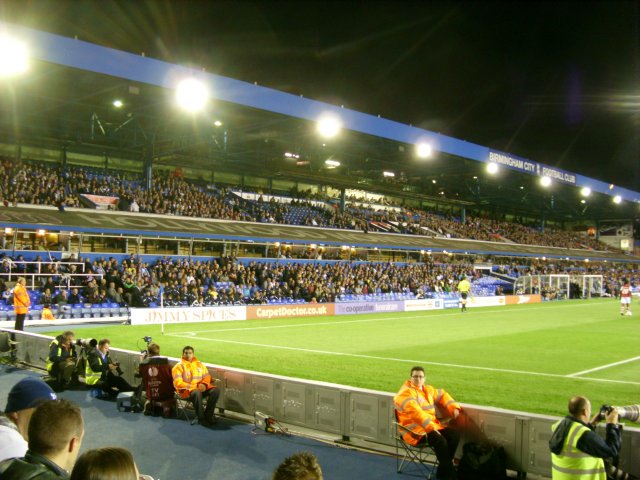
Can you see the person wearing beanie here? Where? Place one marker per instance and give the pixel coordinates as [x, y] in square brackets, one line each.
[56, 430]
[23, 398]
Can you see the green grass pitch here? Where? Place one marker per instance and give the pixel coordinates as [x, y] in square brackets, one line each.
[530, 357]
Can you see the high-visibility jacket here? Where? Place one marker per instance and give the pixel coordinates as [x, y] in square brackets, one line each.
[574, 464]
[21, 300]
[57, 353]
[416, 409]
[464, 286]
[49, 362]
[94, 359]
[188, 375]
[47, 314]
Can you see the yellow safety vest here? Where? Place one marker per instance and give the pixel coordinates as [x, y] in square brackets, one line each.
[49, 363]
[90, 377]
[574, 464]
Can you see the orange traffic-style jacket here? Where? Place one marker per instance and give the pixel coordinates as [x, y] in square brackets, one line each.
[416, 409]
[21, 301]
[188, 375]
[47, 314]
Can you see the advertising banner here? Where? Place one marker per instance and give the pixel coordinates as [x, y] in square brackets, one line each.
[497, 301]
[368, 307]
[451, 303]
[287, 311]
[149, 316]
[424, 304]
[520, 299]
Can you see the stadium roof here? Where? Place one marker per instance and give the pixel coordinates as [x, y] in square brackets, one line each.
[66, 102]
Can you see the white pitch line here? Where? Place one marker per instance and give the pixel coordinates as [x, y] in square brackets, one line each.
[380, 319]
[603, 367]
[403, 360]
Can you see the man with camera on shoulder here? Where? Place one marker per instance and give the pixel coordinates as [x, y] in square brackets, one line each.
[577, 451]
[157, 382]
[62, 360]
[102, 372]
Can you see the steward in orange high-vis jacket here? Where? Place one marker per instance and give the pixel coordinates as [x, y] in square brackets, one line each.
[21, 303]
[192, 381]
[415, 408]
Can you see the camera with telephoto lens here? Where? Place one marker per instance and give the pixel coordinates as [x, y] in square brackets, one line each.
[87, 343]
[629, 412]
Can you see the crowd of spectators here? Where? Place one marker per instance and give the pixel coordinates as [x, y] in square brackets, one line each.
[40, 184]
[185, 281]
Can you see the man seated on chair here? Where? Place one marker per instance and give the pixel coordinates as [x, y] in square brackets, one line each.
[157, 382]
[192, 381]
[62, 361]
[415, 406]
[101, 371]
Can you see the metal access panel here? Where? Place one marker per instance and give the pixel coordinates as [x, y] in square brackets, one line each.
[369, 417]
[263, 395]
[629, 458]
[536, 457]
[293, 406]
[237, 392]
[501, 428]
[323, 409]
[33, 350]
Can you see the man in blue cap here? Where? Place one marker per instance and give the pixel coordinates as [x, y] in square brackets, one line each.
[23, 398]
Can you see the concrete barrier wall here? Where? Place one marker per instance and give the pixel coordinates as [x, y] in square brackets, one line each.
[353, 413]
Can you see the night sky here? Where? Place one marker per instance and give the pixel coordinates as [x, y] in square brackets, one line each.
[556, 82]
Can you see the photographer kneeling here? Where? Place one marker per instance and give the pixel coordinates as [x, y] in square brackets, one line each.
[576, 450]
[62, 361]
[101, 371]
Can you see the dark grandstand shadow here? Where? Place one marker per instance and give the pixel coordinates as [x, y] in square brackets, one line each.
[171, 449]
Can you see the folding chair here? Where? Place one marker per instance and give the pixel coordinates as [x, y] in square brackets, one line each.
[422, 456]
[185, 410]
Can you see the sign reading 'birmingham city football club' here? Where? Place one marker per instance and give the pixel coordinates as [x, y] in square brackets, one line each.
[533, 168]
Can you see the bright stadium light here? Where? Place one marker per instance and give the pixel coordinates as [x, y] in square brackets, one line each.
[192, 95]
[617, 199]
[332, 163]
[423, 150]
[117, 103]
[329, 126]
[492, 168]
[545, 181]
[585, 192]
[388, 174]
[14, 58]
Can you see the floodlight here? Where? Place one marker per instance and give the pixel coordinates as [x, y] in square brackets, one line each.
[8, 230]
[583, 201]
[585, 192]
[332, 163]
[192, 95]
[13, 57]
[545, 181]
[423, 150]
[117, 103]
[617, 199]
[329, 126]
[217, 123]
[388, 174]
[492, 168]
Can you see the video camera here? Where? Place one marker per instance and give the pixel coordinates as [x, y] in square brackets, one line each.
[629, 412]
[147, 340]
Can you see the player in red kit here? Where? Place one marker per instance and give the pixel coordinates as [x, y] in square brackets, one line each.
[625, 298]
